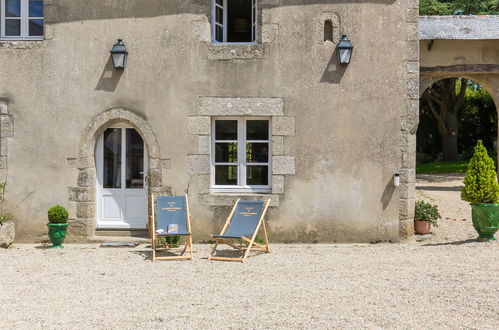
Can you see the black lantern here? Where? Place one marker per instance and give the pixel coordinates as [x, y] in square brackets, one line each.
[344, 50]
[119, 55]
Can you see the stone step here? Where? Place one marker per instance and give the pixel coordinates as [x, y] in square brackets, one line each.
[123, 233]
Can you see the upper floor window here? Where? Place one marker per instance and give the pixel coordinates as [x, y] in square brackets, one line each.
[234, 21]
[21, 19]
[240, 155]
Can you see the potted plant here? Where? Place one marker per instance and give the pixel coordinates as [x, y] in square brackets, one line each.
[481, 190]
[425, 216]
[58, 224]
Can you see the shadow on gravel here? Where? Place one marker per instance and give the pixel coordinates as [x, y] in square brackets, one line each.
[147, 254]
[453, 243]
[439, 177]
[43, 247]
[432, 188]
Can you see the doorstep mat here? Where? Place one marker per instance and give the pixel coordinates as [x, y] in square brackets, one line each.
[119, 244]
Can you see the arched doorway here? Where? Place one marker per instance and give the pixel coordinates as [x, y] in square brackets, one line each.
[85, 193]
[121, 165]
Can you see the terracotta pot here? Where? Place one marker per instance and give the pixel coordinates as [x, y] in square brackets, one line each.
[422, 227]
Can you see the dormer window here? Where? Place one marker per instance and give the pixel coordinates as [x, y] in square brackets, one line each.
[234, 21]
[21, 20]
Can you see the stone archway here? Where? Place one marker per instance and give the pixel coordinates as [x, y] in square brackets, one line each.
[84, 194]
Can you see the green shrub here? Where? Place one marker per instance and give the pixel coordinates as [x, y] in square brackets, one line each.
[4, 217]
[427, 212]
[480, 182]
[170, 241]
[58, 214]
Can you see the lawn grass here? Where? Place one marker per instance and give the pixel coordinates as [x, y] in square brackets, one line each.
[442, 167]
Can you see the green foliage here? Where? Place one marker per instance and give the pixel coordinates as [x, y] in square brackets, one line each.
[167, 241]
[480, 183]
[467, 7]
[58, 214]
[426, 212]
[442, 167]
[4, 216]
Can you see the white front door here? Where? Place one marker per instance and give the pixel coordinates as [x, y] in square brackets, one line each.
[121, 179]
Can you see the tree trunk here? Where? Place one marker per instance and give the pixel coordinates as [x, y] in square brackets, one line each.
[448, 133]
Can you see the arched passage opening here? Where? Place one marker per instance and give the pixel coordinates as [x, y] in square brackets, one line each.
[455, 112]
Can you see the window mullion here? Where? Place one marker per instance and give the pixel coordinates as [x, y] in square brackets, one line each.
[24, 19]
[242, 152]
[225, 27]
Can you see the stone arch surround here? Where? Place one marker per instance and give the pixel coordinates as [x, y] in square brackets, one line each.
[83, 195]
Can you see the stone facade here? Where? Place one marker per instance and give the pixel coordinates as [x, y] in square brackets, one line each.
[338, 133]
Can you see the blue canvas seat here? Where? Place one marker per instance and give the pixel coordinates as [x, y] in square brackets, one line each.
[170, 212]
[243, 224]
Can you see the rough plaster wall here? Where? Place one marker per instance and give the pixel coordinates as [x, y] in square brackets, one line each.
[348, 120]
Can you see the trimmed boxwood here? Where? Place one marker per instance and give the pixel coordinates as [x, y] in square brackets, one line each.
[58, 214]
[480, 183]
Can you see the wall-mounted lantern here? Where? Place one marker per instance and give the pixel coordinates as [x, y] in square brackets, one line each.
[396, 179]
[344, 50]
[119, 55]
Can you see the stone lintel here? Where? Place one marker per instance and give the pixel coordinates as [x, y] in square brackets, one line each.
[229, 106]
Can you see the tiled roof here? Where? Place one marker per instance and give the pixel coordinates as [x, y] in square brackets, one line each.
[459, 27]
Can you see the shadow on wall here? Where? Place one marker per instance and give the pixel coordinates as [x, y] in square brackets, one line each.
[109, 78]
[69, 10]
[387, 193]
[334, 71]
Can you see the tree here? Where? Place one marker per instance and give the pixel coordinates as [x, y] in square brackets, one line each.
[466, 7]
[445, 98]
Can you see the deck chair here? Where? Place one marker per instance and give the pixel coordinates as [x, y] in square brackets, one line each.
[171, 211]
[243, 224]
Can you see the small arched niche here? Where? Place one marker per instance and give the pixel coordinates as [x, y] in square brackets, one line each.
[328, 30]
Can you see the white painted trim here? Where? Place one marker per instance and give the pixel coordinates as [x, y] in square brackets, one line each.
[241, 164]
[99, 163]
[24, 23]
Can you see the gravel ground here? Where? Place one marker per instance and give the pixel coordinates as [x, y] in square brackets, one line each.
[446, 281]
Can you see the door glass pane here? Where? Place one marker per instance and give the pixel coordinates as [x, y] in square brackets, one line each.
[134, 159]
[219, 33]
[219, 15]
[257, 152]
[257, 175]
[112, 158]
[13, 8]
[35, 8]
[226, 175]
[226, 130]
[257, 130]
[36, 27]
[12, 27]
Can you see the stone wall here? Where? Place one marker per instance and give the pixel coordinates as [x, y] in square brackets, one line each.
[339, 133]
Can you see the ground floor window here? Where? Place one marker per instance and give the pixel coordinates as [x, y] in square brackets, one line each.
[240, 154]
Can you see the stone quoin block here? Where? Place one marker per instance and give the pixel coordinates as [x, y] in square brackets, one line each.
[81, 194]
[198, 164]
[278, 184]
[200, 125]
[277, 145]
[283, 126]
[283, 165]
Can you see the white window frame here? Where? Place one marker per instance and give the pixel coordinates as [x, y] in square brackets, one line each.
[241, 164]
[24, 22]
[224, 25]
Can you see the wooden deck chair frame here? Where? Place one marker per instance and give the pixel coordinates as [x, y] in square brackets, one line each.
[188, 238]
[252, 245]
